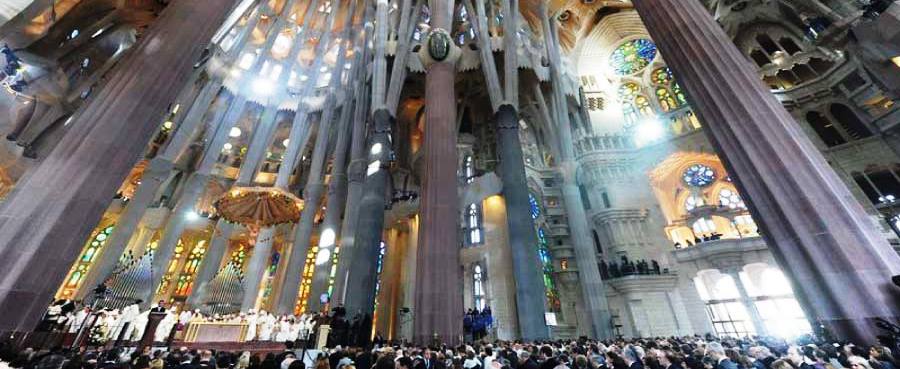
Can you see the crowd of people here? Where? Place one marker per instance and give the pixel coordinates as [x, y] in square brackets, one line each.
[662, 353]
[477, 323]
[127, 324]
[611, 270]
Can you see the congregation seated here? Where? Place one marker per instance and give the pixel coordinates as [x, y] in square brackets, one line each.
[691, 352]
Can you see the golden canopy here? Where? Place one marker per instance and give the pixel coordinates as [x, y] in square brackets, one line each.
[258, 207]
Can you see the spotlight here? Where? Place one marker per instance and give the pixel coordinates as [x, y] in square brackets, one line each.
[235, 132]
[192, 215]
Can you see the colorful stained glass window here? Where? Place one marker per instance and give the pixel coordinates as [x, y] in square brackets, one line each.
[547, 268]
[666, 101]
[185, 281]
[643, 105]
[699, 175]
[662, 76]
[306, 282]
[632, 56]
[535, 207]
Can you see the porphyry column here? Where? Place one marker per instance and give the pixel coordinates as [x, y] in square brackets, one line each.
[839, 264]
[438, 302]
[42, 230]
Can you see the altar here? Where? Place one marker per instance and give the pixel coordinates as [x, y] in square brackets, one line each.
[215, 332]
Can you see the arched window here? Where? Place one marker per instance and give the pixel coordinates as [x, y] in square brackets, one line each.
[767, 44]
[703, 226]
[632, 56]
[854, 127]
[643, 105]
[666, 101]
[478, 287]
[825, 129]
[535, 206]
[789, 46]
[693, 202]
[473, 223]
[760, 57]
[469, 169]
[730, 198]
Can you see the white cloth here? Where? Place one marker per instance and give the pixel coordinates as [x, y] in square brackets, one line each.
[140, 324]
[284, 331]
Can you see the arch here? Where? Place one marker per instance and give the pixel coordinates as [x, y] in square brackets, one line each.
[824, 128]
[851, 123]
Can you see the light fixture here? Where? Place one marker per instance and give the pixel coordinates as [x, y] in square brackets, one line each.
[285, 142]
[376, 148]
[896, 61]
[168, 124]
[227, 146]
[235, 132]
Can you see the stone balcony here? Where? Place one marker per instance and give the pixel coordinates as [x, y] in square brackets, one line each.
[723, 253]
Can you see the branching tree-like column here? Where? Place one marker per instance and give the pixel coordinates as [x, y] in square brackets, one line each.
[839, 264]
[43, 229]
[523, 242]
[592, 288]
[438, 302]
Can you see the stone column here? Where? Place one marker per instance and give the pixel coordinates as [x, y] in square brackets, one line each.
[43, 229]
[592, 288]
[839, 264]
[256, 267]
[438, 303]
[312, 195]
[530, 297]
[156, 173]
[360, 284]
[337, 193]
[211, 262]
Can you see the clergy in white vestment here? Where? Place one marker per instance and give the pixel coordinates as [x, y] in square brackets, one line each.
[252, 320]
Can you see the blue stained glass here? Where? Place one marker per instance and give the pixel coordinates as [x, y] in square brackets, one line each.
[535, 208]
[632, 56]
[699, 175]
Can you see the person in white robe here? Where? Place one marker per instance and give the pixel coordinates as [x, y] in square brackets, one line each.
[165, 326]
[251, 320]
[128, 316]
[284, 330]
[140, 324]
[267, 326]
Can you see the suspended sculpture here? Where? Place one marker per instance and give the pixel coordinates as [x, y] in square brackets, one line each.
[259, 207]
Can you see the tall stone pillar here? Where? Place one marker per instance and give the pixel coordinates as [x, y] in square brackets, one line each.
[839, 264]
[156, 173]
[42, 229]
[438, 304]
[592, 289]
[256, 269]
[530, 297]
[360, 284]
[211, 262]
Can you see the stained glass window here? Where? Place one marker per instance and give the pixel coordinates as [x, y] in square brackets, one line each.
[693, 202]
[535, 207]
[478, 287]
[662, 76]
[666, 101]
[699, 175]
[473, 223]
[633, 103]
[731, 199]
[547, 267]
[185, 281]
[632, 56]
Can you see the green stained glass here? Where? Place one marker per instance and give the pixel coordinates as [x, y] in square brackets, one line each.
[632, 56]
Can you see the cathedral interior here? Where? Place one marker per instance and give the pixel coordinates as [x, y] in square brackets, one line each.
[600, 168]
